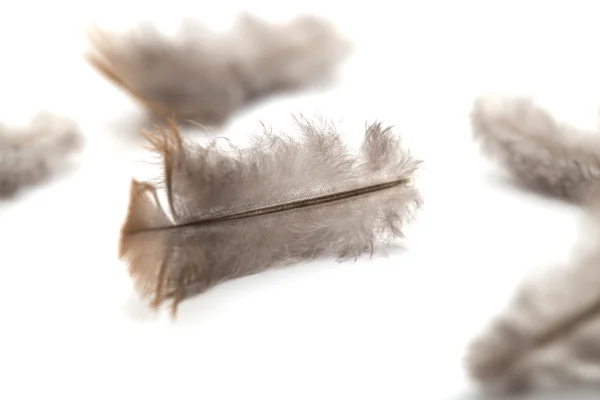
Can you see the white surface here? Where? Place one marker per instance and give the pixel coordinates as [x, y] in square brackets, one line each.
[388, 328]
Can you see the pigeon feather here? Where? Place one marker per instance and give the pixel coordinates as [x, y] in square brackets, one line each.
[548, 337]
[31, 155]
[205, 76]
[539, 151]
[231, 212]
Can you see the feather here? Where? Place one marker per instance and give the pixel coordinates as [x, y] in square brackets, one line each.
[231, 212]
[549, 334]
[31, 155]
[205, 76]
[539, 151]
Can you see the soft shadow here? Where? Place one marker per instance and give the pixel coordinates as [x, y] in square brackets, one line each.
[210, 304]
[565, 394]
[392, 249]
[21, 193]
[137, 311]
[8, 202]
[507, 181]
[127, 129]
[204, 306]
[129, 126]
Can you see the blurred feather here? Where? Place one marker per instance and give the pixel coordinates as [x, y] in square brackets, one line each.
[207, 76]
[549, 335]
[539, 151]
[30, 155]
[239, 211]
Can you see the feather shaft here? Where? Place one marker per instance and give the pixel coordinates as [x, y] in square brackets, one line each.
[240, 212]
[294, 205]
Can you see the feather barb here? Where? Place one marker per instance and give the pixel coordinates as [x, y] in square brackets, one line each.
[238, 212]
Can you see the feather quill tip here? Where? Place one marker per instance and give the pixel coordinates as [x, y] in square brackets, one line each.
[232, 212]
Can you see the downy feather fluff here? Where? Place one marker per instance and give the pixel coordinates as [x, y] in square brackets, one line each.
[233, 212]
[549, 335]
[30, 155]
[539, 151]
[205, 76]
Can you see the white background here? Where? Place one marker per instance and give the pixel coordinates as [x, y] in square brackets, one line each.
[391, 327]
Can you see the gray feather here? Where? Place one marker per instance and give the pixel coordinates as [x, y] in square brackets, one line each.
[541, 152]
[549, 335]
[234, 211]
[205, 76]
[30, 155]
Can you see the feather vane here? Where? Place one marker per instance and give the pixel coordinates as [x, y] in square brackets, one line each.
[233, 211]
[539, 151]
[205, 77]
[30, 155]
[548, 336]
